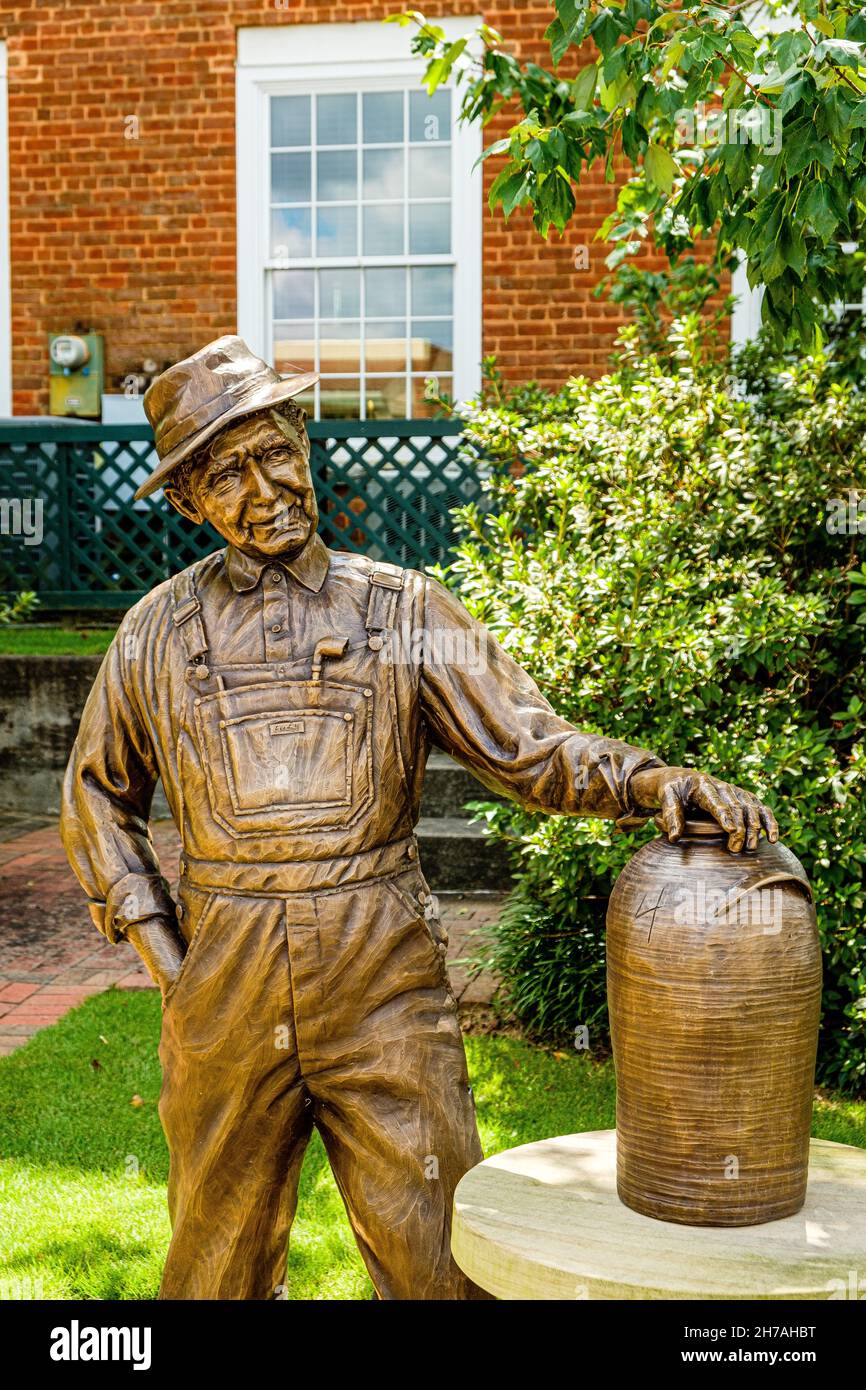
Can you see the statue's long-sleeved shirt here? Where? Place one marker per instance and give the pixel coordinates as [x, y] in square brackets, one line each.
[441, 680]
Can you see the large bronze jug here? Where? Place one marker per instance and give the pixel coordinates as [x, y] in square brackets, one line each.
[714, 990]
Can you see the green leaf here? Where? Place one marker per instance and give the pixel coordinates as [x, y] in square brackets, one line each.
[558, 40]
[672, 54]
[583, 87]
[793, 248]
[537, 154]
[661, 167]
[556, 143]
[817, 208]
[843, 52]
[508, 189]
[578, 120]
[798, 151]
[437, 72]
[772, 262]
[557, 199]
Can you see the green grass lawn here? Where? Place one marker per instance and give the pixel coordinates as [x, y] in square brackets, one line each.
[83, 1169]
[16, 640]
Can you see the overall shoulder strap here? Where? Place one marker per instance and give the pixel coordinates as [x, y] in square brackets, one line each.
[186, 613]
[386, 582]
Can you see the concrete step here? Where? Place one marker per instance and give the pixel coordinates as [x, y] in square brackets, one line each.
[458, 857]
[448, 787]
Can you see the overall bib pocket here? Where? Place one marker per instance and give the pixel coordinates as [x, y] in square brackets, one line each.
[287, 756]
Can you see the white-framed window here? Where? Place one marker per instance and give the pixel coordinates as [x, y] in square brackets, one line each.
[746, 316]
[359, 219]
[5, 304]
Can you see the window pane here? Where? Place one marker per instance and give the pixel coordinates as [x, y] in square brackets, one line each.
[339, 347]
[385, 346]
[339, 294]
[340, 398]
[385, 398]
[290, 233]
[337, 232]
[290, 120]
[337, 120]
[294, 347]
[429, 229]
[337, 175]
[385, 291]
[290, 178]
[383, 118]
[383, 174]
[422, 405]
[293, 294]
[432, 289]
[383, 230]
[393, 336]
[430, 172]
[430, 117]
[432, 346]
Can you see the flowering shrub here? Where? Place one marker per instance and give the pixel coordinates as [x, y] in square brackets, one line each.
[681, 563]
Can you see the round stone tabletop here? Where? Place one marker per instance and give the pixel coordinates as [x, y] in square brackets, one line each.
[543, 1221]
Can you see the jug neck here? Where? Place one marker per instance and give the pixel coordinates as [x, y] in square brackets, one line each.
[699, 828]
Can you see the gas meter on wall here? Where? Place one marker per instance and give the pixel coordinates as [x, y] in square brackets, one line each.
[76, 375]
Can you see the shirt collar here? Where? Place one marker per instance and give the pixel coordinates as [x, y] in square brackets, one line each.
[309, 567]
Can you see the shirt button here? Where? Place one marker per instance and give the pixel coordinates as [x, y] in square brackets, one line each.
[276, 627]
[422, 897]
[375, 643]
[275, 576]
[411, 852]
[179, 911]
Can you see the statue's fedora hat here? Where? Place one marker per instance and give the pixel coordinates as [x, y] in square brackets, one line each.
[195, 398]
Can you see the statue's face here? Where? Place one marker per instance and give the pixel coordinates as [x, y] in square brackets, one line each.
[254, 488]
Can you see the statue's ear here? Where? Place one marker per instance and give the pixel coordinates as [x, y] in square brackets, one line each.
[182, 504]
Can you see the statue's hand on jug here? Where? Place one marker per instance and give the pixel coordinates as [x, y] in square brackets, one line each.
[157, 942]
[672, 790]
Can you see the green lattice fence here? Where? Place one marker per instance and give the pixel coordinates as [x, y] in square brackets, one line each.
[69, 527]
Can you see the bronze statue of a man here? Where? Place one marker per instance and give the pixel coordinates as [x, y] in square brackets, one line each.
[302, 969]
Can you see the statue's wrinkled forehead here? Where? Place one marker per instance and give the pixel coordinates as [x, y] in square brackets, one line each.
[243, 432]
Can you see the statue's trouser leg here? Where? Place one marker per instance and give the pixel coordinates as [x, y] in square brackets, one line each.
[234, 1108]
[331, 1008]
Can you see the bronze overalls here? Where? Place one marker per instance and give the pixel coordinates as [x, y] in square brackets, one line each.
[314, 990]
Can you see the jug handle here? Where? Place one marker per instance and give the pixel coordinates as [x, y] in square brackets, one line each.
[743, 889]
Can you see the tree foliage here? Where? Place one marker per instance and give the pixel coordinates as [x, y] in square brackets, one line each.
[742, 122]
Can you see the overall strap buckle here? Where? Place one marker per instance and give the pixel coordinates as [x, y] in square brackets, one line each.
[186, 615]
[386, 584]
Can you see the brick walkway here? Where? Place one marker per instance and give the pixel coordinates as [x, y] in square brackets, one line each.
[52, 957]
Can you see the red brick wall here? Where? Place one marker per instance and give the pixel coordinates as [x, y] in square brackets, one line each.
[135, 238]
